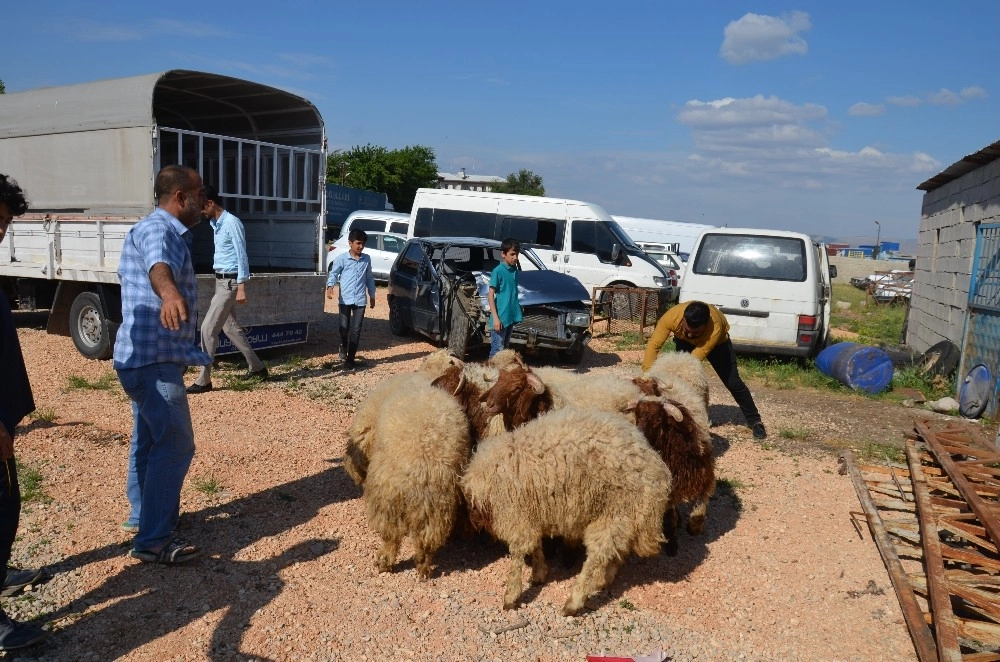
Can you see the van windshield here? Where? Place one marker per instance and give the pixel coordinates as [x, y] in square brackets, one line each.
[622, 236]
[752, 256]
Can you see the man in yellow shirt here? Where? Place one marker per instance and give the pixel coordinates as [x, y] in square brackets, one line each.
[702, 330]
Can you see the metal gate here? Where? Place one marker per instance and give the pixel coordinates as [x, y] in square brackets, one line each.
[981, 341]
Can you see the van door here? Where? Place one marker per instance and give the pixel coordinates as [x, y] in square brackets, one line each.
[590, 258]
[825, 292]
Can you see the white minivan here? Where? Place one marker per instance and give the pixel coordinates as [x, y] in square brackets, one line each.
[572, 237]
[773, 286]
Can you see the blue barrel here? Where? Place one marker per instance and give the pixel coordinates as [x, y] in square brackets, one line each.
[863, 367]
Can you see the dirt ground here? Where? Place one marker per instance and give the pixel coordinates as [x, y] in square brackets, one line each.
[781, 572]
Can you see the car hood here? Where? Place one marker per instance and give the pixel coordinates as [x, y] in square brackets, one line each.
[538, 287]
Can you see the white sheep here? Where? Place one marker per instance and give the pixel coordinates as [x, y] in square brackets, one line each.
[586, 476]
[591, 391]
[416, 457]
[681, 365]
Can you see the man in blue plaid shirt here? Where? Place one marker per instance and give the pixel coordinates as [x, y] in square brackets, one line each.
[155, 344]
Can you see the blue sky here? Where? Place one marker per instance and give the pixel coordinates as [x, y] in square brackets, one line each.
[821, 117]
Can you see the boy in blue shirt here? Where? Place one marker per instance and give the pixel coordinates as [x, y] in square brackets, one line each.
[505, 309]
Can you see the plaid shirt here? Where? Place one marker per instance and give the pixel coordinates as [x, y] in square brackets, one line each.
[142, 339]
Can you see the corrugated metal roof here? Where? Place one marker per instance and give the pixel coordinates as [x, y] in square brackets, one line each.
[959, 168]
[180, 99]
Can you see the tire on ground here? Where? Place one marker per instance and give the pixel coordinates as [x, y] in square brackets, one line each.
[941, 359]
[397, 326]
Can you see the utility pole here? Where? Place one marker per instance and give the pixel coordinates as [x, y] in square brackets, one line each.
[878, 236]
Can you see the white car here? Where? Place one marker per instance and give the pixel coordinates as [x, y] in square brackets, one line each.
[381, 247]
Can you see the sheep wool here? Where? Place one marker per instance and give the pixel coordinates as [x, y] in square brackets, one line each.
[682, 365]
[587, 476]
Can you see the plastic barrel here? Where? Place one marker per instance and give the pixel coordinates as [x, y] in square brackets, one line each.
[863, 367]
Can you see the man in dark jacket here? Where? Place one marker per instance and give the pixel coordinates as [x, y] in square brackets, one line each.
[16, 402]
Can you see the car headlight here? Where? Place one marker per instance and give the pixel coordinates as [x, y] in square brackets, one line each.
[661, 281]
[578, 319]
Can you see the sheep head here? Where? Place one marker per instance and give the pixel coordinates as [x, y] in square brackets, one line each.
[518, 396]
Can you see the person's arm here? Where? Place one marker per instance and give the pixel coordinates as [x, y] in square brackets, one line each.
[492, 298]
[714, 338]
[173, 308]
[335, 269]
[370, 281]
[239, 239]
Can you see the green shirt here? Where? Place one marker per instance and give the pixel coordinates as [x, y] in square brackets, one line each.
[503, 282]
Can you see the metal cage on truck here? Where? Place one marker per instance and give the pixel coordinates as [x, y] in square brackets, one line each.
[86, 156]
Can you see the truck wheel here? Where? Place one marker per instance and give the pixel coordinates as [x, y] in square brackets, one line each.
[458, 331]
[397, 326]
[88, 327]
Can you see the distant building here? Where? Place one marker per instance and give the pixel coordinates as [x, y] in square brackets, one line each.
[464, 182]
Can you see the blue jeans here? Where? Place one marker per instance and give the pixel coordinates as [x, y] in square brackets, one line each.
[161, 450]
[500, 339]
[351, 318]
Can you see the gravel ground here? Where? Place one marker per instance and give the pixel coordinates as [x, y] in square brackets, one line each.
[780, 573]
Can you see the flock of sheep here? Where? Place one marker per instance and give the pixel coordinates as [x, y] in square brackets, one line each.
[527, 454]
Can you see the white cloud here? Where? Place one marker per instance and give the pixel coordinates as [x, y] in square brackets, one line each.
[757, 38]
[908, 100]
[973, 92]
[862, 109]
[944, 97]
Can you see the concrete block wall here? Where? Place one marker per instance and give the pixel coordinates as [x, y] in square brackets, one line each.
[946, 245]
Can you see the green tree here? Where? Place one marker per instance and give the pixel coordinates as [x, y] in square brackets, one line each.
[3, 88]
[397, 173]
[522, 182]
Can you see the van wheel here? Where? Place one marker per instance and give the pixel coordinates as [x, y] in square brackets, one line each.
[940, 359]
[88, 327]
[397, 326]
[616, 303]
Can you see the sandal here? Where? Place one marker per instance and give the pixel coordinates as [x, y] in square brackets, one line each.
[175, 551]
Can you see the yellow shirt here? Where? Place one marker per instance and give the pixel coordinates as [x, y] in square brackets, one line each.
[716, 331]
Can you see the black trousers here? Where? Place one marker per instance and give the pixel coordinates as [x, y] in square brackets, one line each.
[723, 360]
[10, 511]
[351, 318]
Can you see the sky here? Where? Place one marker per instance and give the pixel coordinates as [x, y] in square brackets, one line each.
[820, 117]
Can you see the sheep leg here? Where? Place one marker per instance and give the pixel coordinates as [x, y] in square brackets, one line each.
[539, 569]
[590, 580]
[387, 555]
[422, 560]
[513, 591]
[696, 523]
[670, 521]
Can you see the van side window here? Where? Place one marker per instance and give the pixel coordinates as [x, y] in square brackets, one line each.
[409, 263]
[455, 223]
[399, 228]
[593, 237]
[422, 224]
[544, 233]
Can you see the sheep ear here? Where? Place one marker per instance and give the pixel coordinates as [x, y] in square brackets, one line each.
[535, 383]
[632, 405]
[673, 411]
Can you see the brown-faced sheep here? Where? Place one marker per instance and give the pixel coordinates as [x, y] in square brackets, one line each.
[681, 365]
[411, 488]
[674, 422]
[585, 476]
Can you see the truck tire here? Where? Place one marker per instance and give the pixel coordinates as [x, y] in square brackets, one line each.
[397, 326]
[88, 326]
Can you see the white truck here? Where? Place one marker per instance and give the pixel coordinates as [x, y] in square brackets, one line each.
[86, 156]
[670, 236]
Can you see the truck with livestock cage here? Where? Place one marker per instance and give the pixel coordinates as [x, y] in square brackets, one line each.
[86, 156]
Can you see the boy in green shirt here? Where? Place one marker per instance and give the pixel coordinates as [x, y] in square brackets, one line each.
[505, 309]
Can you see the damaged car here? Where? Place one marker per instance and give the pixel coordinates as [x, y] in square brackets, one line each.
[438, 287]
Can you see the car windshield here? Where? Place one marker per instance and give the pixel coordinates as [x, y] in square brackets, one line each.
[465, 259]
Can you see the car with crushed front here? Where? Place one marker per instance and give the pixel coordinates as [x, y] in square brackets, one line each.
[438, 287]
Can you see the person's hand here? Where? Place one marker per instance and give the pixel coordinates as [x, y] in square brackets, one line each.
[173, 312]
[329, 292]
[497, 326]
[373, 302]
[241, 294]
[6, 444]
